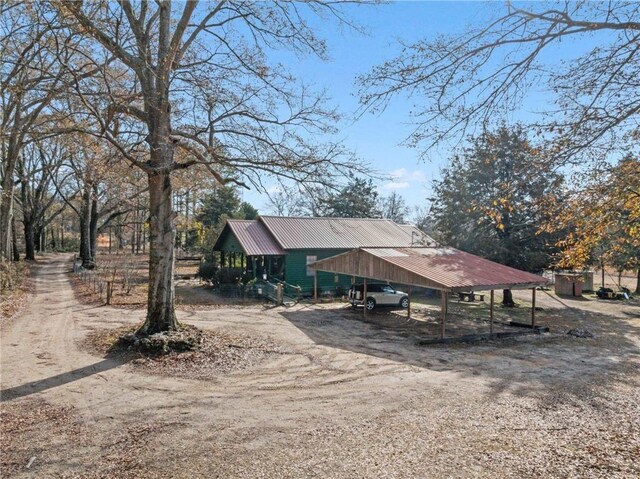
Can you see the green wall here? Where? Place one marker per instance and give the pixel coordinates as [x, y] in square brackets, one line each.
[296, 271]
[296, 267]
[231, 244]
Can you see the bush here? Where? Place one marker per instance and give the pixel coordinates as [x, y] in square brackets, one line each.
[231, 276]
[12, 275]
[71, 245]
[208, 271]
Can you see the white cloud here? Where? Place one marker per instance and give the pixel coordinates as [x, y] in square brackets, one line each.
[396, 185]
[402, 179]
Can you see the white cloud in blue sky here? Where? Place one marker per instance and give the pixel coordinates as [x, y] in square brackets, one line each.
[402, 179]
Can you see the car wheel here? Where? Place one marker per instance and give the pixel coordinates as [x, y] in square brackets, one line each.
[404, 302]
[371, 304]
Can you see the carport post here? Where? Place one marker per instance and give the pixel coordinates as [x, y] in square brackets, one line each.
[533, 307]
[409, 305]
[364, 296]
[443, 311]
[315, 286]
[491, 315]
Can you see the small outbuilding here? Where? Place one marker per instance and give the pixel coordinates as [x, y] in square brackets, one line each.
[570, 284]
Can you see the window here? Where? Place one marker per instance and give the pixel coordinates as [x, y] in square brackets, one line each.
[311, 259]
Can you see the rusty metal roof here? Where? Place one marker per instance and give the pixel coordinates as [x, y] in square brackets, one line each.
[254, 238]
[439, 268]
[336, 233]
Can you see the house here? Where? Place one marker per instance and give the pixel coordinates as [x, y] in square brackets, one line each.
[280, 248]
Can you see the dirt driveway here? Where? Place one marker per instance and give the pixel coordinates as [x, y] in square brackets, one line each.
[349, 398]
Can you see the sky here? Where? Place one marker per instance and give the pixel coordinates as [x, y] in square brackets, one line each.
[378, 138]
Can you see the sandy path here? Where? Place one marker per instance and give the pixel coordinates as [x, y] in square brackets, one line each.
[351, 399]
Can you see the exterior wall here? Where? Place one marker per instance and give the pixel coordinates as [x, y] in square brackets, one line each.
[231, 244]
[296, 271]
[565, 285]
[587, 285]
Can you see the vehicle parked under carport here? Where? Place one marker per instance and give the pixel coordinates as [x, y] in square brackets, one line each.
[377, 295]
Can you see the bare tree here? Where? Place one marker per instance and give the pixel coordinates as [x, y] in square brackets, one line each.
[394, 208]
[37, 55]
[196, 81]
[37, 166]
[471, 80]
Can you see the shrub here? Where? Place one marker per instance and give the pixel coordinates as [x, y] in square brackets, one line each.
[12, 275]
[208, 271]
[230, 275]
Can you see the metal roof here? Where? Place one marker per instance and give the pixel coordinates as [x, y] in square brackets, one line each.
[438, 268]
[418, 237]
[336, 233]
[254, 238]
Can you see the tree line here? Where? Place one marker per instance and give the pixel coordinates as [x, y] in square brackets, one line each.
[135, 119]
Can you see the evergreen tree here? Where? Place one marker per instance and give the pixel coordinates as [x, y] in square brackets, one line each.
[358, 199]
[492, 201]
[246, 211]
[223, 200]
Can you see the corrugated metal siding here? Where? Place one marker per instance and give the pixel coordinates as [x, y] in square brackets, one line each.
[438, 268]
[296, 271]
[336, 233]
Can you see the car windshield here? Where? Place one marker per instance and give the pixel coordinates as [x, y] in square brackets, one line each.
[388, 289]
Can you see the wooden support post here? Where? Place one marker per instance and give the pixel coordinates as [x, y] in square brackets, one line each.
[491, 315]
[533, 307]
[315, 287]
[364, 296]
[443, 312]
[409, 305]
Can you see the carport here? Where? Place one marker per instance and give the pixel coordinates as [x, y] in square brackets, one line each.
[441, 268]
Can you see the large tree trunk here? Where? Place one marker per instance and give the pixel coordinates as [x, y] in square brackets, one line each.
[160, 307]
[14, 240]
[6, 201]
[507, 298]
[29, 238]
[93, 230]
[638, 282]
[85, 231]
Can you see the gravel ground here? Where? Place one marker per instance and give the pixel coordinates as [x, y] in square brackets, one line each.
[343, 397]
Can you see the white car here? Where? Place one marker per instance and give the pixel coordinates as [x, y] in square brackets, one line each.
[377, 295]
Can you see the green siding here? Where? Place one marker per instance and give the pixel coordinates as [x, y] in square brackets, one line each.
[231, 244]
[296, 271]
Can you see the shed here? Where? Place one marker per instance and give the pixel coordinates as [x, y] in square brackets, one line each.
[441, 268]
[570, 284]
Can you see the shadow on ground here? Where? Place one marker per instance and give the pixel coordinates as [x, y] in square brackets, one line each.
[524, 365]
[41, 385]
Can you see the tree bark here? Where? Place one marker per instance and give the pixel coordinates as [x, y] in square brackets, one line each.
[14, 240]
[6, 200]
[85, 231]
[638, 282]
[93, 230]
[29, 238]
[507, 298]
[161, 297]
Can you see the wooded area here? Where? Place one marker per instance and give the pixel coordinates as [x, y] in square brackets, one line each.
[141, 124]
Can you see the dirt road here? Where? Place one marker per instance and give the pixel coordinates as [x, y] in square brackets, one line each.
[349, 399]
